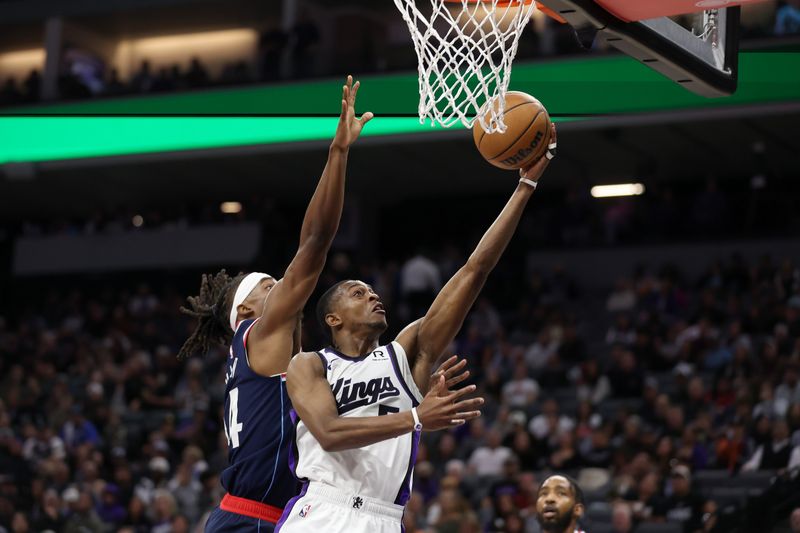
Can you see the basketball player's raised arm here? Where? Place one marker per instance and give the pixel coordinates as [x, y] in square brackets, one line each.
[288, 297]
[426, 339]
[313, 400]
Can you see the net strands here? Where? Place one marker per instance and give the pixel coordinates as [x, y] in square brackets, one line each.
[465, 50]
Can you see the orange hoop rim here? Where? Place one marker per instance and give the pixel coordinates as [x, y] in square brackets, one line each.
[501, 3]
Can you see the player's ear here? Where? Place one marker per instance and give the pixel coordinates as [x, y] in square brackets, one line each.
[243, 309]
[579, 510]
[333, 320]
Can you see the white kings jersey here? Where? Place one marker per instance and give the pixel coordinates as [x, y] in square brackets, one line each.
[378, 383]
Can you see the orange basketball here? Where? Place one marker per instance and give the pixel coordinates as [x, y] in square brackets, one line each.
[525, 139]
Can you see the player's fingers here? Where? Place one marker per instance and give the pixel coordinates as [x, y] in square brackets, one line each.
[437, 386]
[366, 117]
[447, 363]
[455, 422]
[452, 367]
[450, 383]
[551, 147]
[468, 405]
[468, 415]
[355, 90]
[456, 394]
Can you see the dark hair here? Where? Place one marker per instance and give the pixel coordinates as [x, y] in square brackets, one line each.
[324, 307]
[212, 308]
[576, 489]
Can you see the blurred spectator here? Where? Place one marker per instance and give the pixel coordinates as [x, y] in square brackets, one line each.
[521, 390]
[272, 42]
[682, 504]
[794, 521]
[776, 454]
[419, 283]
[787, 18]
[305, 38]
[488, 460]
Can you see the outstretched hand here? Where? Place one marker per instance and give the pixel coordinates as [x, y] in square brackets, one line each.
[349, 127]
[451, 370]
[535, 170]
[442, 409]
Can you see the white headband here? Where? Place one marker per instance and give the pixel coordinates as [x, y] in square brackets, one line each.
[244, 289]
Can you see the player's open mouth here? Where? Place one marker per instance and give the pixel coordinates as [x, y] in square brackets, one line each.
[549, 512]
[379, 309]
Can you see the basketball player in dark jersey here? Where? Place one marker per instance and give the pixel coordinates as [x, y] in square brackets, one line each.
[360, 406]
[259, 316]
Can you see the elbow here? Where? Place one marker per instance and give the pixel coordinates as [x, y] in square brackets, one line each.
[331, 444]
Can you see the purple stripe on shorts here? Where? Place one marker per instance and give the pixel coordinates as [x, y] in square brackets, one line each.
[287, 511]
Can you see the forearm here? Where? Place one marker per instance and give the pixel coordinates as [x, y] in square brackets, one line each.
[322, 216]
[345, 433]
[497, 237]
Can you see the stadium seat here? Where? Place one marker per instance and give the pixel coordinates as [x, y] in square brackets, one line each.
[728, 495]
[659, 527]
[598, 527]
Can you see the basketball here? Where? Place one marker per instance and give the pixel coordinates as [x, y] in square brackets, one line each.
[525, 139]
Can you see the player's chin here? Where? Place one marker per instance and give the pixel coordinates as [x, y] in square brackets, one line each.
[379, 324]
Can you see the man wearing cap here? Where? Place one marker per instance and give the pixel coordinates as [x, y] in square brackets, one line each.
[682, 505]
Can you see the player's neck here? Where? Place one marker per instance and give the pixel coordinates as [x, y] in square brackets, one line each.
[356, 344]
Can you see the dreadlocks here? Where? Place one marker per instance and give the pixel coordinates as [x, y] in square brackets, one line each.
[211, 308]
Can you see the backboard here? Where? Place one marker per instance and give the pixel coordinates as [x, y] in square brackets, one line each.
[699, 51]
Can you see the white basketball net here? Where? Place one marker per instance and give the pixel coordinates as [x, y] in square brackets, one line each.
[465, 50]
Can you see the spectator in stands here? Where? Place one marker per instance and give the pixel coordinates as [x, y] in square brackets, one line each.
[419, 283]
[488, 460]
[197, 75]
[305, 38]
[776, 454]
[681, 504]
[787, 19]
[521, 390]
[794, 520]
[621, 518]
[273, 43]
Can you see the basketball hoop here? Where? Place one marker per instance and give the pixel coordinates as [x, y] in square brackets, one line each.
[465, 50]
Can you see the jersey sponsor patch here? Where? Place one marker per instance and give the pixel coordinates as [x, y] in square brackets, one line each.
[350, 395]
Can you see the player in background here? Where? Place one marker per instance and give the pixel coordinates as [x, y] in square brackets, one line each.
[259, 317]
[359, 404]
[559, 505]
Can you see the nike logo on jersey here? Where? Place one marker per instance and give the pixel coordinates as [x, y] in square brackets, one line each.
[354, 395]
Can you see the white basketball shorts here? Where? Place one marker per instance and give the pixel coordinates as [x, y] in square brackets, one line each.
[324, 508]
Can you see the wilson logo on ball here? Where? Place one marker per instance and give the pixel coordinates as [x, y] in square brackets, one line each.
[523, 152]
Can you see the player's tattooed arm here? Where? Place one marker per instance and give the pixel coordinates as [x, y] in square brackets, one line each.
[288, 297]
[313, 400]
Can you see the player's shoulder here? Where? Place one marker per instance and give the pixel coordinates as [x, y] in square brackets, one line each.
[306, 362]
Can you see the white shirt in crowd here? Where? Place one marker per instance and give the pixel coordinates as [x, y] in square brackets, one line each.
[520, 392]
[420, 274]
[487, 461]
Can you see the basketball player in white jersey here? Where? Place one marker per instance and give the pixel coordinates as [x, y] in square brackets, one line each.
[359, 406]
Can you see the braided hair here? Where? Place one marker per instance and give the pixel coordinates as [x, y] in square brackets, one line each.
[211, 308]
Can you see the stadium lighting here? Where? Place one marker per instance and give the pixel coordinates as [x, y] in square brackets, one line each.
[22, 61]
[230, 208]
[619, 189]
